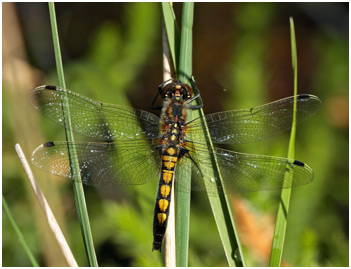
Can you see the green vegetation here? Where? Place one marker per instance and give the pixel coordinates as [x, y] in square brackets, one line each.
[283, 210]
[79, 198]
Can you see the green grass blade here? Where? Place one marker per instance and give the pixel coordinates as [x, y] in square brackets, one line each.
[19, 233]
[182, 198]
[77, 185]
[173, 33]
[220, 205]
[186, 44]
[283, 210]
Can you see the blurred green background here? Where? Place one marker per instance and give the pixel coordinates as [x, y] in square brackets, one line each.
[112, 53]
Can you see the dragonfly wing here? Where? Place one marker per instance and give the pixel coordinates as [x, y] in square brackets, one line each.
[258, 123]
[102, 121]
[243, 172]
[101, 164]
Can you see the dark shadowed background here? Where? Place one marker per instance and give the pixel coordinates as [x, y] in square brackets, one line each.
[112, 53]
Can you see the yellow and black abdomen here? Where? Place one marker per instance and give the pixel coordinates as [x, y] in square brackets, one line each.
[163, 198]
[172, 136]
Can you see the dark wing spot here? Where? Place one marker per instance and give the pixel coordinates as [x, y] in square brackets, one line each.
[296, 162]
[304, 96]
[49, 87]
[49, 144]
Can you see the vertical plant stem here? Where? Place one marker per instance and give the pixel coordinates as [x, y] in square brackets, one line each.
[183, 199]
[19, 233]
[283, 210]
[186, 44]
[77, 185]
[55, 228]
[173, 34]
[170, 238]
[219, 204]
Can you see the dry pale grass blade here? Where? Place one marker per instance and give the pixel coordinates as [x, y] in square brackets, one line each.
[170, 246]
[18, 77]
[166, 56]
[46, 209]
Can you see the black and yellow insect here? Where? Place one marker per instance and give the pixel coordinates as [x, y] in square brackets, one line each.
[173, 146]
[135, 147]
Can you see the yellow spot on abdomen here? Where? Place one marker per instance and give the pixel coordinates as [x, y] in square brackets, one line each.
[169, 158]
[167, 176]
[161, 217]
[169, 165]
[173, 137]
[163, 204]
[171, 151]
[165, 190]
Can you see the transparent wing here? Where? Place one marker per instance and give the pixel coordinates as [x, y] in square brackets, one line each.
[102, 121]
[102, 164]
[258, 123]
[242, 172]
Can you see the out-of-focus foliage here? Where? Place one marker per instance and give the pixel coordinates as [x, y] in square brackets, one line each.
[112, 53]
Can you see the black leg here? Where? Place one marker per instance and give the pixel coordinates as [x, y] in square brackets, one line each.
[196, 96]
[196, 106]
[153, 103]
[195, 163]
[194, 83]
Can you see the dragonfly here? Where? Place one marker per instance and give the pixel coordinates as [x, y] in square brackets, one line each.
[132, 146]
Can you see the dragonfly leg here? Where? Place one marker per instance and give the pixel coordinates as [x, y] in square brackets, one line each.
[184, 151]
[153, 102]
[196, 165]
[196, 96]
[195, 106]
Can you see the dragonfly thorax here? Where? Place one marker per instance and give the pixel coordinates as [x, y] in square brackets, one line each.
[173, 134]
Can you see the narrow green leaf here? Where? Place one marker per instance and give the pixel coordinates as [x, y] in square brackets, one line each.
[283, 210]
[77, 182]
[173, 33]
[186, 44]
[220, 205]
[19, 233]
[182, 198]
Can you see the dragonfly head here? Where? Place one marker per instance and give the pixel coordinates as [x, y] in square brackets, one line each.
[177, 91]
